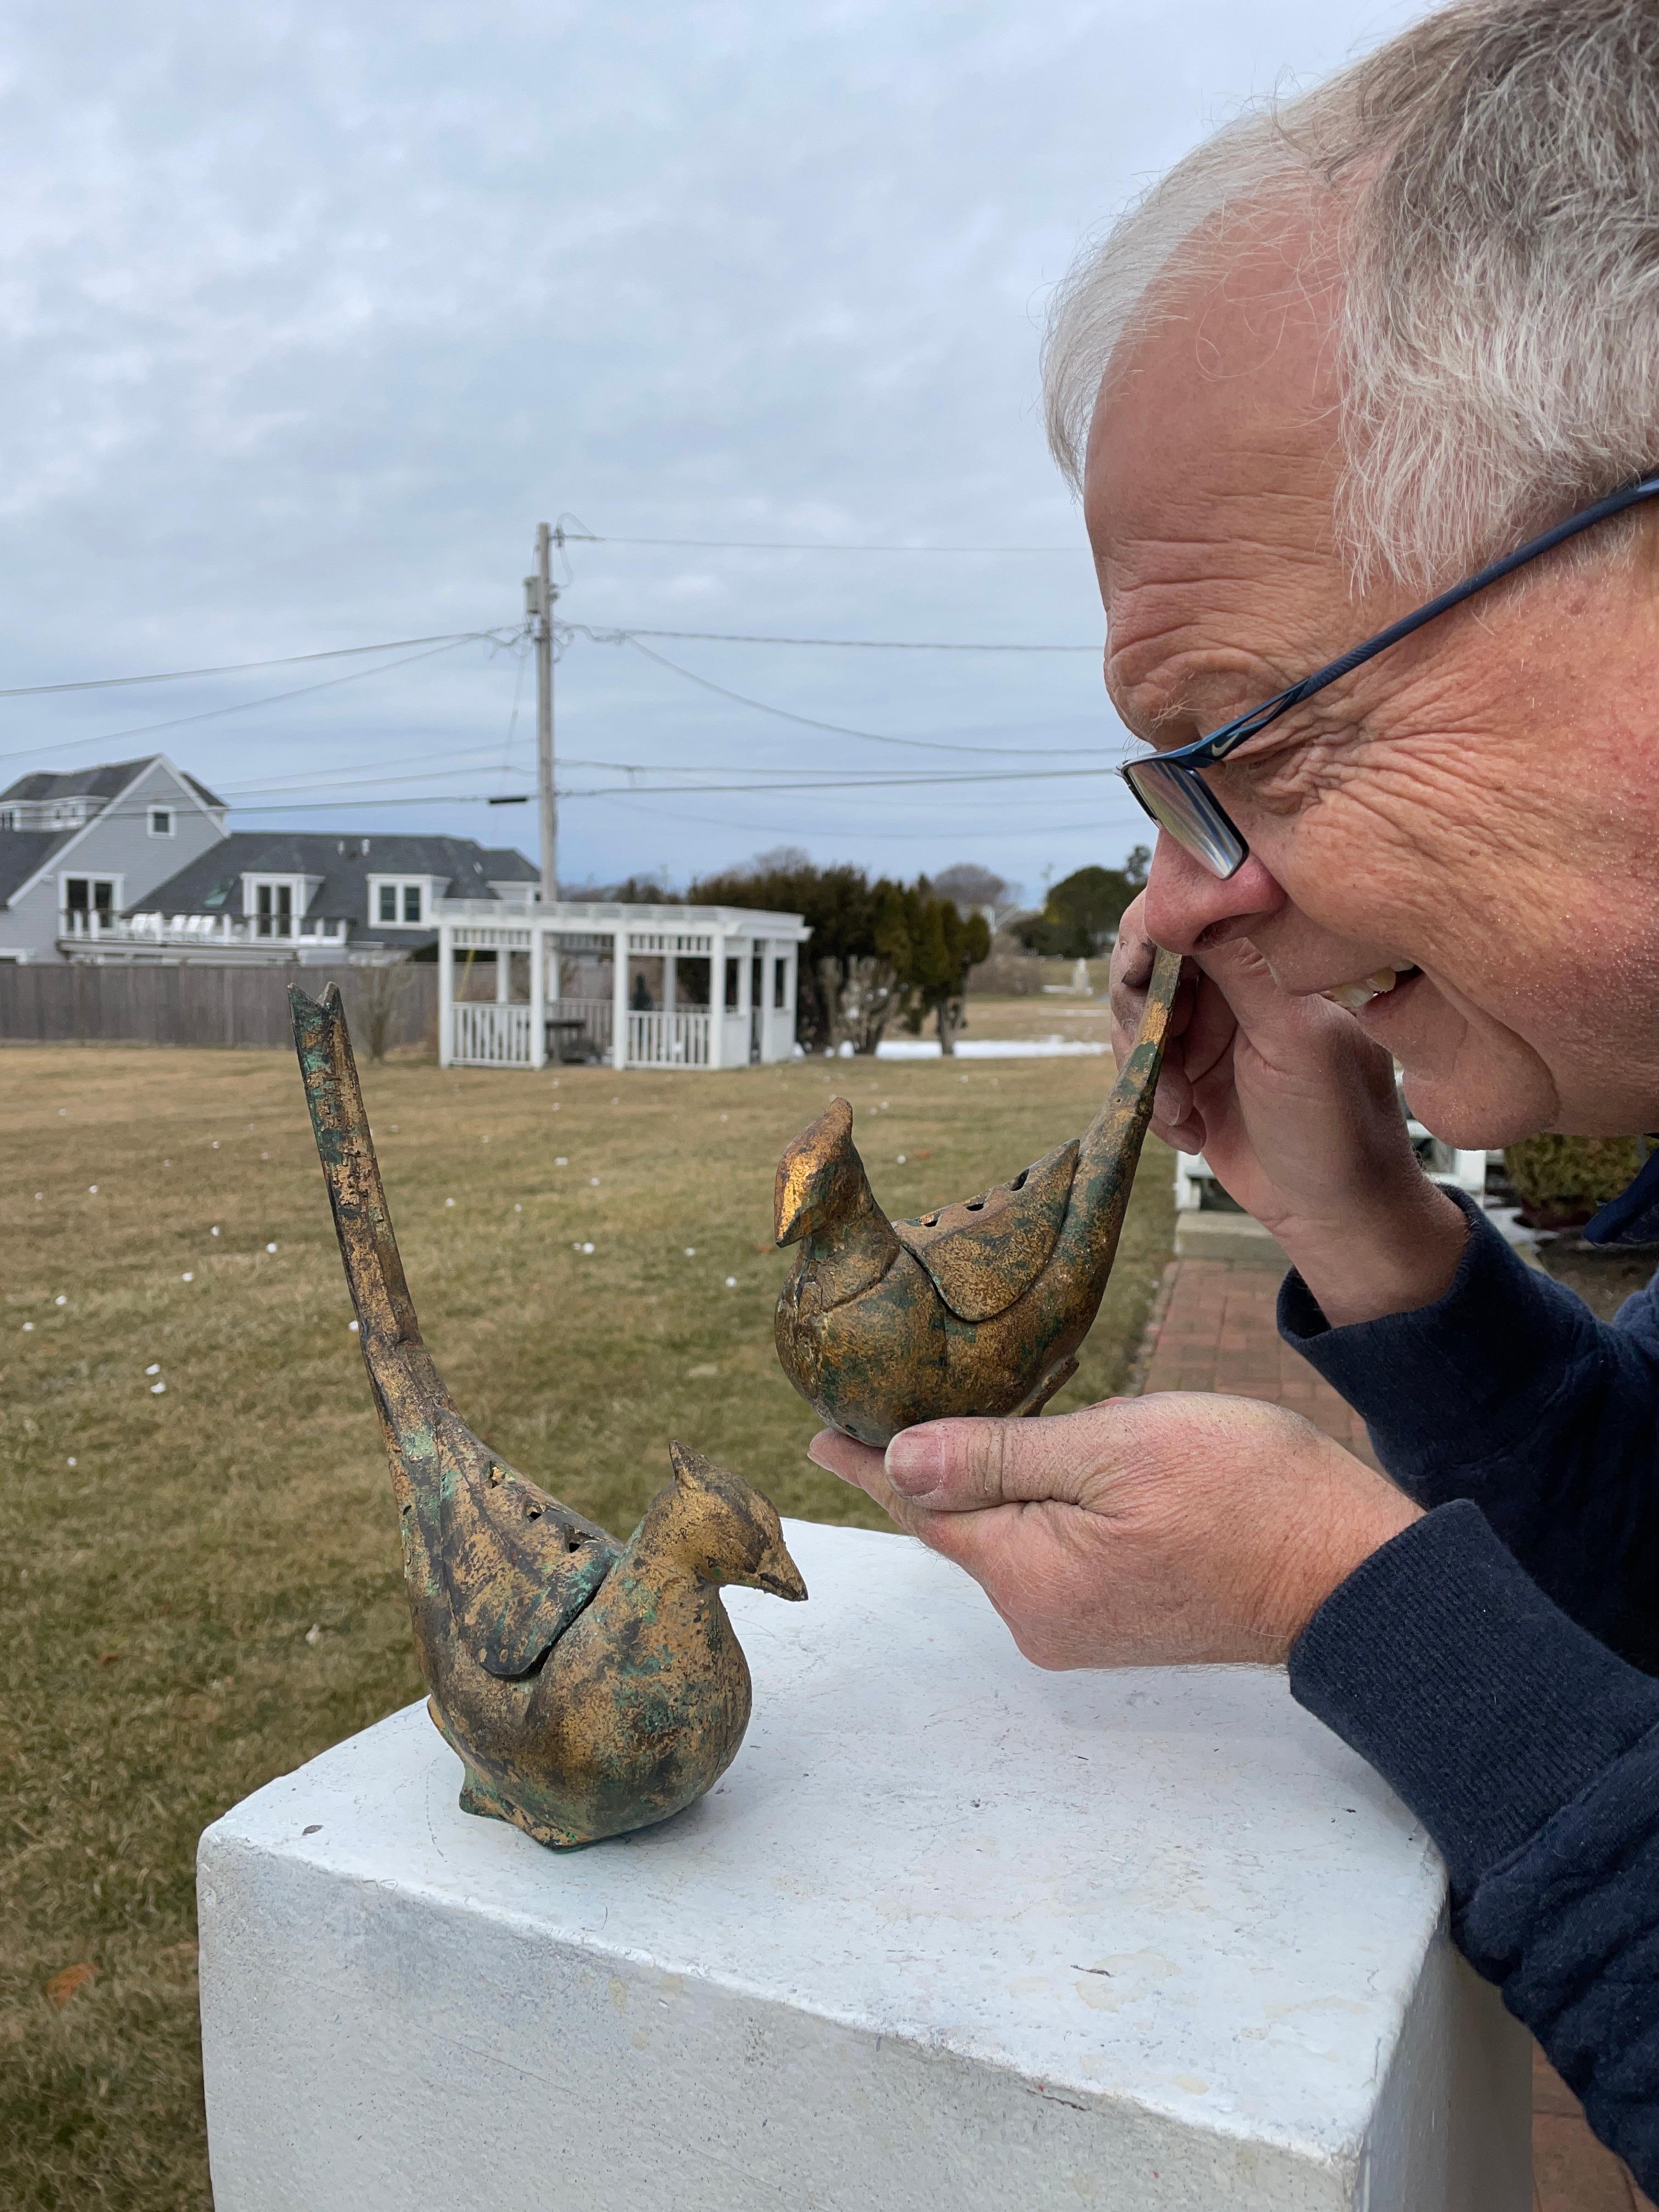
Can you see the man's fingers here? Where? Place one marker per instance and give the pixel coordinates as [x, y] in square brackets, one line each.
[839, 1453]
[862, 1466]
[962, 1538]
[962, 1466]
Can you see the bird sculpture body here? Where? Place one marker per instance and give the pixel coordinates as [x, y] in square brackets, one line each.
[978, 1307]
[589, 1688]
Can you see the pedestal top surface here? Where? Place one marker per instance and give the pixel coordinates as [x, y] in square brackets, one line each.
[1168, 1886]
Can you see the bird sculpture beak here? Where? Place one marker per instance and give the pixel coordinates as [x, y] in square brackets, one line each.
[778, 1573]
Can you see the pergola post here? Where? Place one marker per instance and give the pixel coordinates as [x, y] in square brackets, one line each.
[538, 996]
[716, 997]
[746, 993]
[619, 997]
[446, 994]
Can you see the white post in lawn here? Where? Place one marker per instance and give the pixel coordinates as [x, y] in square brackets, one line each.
[619, 998]
[445, 994]
[716, 997]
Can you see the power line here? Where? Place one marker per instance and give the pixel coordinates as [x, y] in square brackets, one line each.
[889, 781]
[630, 636]
[839, 729]
[563, 537]
[1003, 830]
[345, 806]
[244, 705]
[884, 781]
[242, 667]
[309, 779]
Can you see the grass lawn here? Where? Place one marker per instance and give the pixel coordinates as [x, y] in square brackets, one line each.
[201, 1585]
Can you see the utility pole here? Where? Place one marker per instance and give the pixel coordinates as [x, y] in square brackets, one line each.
[539, 595]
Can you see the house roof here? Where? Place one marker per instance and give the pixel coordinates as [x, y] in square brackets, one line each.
[106, 780]
[212, 882]
[22, 852]
[503, 865]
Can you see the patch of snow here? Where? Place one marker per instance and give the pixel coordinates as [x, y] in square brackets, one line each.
[1049, 1048]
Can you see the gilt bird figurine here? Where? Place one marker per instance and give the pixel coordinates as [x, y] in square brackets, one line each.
[589, 1686]
[976, 1309]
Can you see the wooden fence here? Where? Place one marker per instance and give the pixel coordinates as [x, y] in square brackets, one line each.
[207, 1006]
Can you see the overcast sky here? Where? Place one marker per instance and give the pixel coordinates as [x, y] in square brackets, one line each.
[315, 312]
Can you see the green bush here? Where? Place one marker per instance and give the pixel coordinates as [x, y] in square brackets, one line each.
[1561, 1181]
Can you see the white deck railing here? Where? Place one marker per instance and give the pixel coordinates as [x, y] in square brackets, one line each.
[675, 1039]
[490, 1036]
[197, 929]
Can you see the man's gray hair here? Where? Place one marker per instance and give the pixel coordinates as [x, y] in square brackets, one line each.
[1492, 175]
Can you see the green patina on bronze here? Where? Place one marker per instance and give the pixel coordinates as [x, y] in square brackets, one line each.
[589, 1686]
[977, 1309]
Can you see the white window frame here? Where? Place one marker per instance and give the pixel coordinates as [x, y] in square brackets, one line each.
[172, 814]
[295, 886]
[400, 886]
[92, 876]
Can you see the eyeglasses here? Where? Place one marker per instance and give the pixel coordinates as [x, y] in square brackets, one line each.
[1170, 786]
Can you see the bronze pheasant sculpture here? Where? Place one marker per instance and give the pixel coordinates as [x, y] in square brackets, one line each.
[589, 1686]
[978, 1307]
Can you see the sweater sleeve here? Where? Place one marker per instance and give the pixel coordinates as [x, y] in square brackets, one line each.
[1530, 1752]
[1509, 1392]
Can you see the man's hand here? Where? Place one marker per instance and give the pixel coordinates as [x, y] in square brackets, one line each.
[1142, 1532]
[1294, 1109]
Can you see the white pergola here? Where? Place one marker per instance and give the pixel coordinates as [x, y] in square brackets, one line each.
[688, 986]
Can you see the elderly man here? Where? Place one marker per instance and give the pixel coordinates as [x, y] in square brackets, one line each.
[1341, 358]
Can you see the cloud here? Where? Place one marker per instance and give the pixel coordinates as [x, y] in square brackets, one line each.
[314, 317]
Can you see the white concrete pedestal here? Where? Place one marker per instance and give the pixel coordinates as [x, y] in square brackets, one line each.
[952, 1935]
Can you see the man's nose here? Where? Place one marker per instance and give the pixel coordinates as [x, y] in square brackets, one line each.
[1190, 910]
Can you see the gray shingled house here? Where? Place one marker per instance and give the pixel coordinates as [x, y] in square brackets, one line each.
[314, 897]
[76, 849]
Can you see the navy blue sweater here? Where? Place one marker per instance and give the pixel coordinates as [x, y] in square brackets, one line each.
[1497, 1660]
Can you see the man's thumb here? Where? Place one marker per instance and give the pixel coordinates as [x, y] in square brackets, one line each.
[959, 1466]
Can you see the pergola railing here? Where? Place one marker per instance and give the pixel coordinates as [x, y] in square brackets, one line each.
[489, 1036]
[664, 1040]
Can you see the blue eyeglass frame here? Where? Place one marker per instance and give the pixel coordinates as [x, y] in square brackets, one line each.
[1171, 787]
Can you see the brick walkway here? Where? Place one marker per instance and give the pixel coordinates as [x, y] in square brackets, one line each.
[1212, 1328]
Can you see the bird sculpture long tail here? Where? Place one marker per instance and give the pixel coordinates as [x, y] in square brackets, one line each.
[589, 1686]
[974, 1309]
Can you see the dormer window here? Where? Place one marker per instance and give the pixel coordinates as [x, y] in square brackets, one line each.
[398, 901]
[276, 905]
[162, 822]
